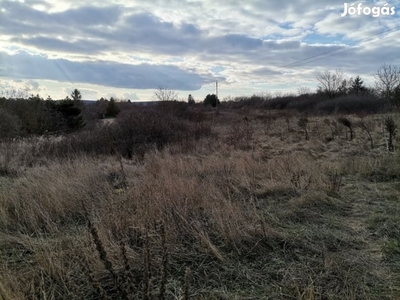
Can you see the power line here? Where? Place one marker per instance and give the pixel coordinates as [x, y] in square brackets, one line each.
[340, 52]
[333, 50]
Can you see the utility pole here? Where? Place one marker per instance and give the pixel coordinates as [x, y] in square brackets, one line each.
[216, 94]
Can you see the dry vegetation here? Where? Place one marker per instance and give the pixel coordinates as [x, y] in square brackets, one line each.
[237, 205]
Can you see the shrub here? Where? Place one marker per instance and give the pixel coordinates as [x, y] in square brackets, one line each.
[38, 116]
[10, 125]
[211, 100]
[279, 103]
[347, 123]
[303, 124]
[175, 108]
[303, 103]
[253, 101]
[132, 133]
[138, 130]
[350, 104]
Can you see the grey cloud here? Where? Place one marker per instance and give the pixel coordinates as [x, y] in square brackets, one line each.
[55, 44]
[146, 31]
[65, 23]
[266, 71]
[140, 31]
[190, 29]
[147, 21]
[137, 31]
[242, 41]
[33, 84]
[16, 9]
[144, 76]
[88, 16]
[273, 45]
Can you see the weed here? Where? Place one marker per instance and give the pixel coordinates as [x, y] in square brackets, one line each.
[347, 123]
[335, 181]
[391, 128]
[303, 124]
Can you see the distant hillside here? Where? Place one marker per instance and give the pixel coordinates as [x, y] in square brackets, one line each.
[141, 102]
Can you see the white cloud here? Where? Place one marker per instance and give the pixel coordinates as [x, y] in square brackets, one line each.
[129, 96]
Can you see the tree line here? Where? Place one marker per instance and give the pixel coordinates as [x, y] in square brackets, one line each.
[35, 115]
[21, 116]
[386, 85]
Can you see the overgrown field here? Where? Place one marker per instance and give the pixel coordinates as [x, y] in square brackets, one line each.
[197, 205]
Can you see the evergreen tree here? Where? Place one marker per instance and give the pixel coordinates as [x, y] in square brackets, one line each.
[71, 113]
[76, 95]
[191, 99]
[344, 87]
[211, 100]
[112, 108]
[396, 96]
[357, 86]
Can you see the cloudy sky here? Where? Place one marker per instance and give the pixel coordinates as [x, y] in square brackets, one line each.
[128, 48]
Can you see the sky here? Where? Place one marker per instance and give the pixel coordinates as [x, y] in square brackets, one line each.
[128, 49]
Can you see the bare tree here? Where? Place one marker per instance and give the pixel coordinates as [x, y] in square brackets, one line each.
[330, 82]
[303, 90]
[387, 78]
[265, 95]
[20, 91]
[165, 94]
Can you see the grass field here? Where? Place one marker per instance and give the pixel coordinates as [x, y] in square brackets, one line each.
[251, 210]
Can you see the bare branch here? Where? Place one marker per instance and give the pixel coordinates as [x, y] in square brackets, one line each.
[387, 78]
[330, 82]
[165, 94]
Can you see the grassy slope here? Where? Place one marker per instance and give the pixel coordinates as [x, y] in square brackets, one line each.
[256, 212]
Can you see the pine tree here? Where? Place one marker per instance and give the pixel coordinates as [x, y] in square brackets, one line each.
[191, 99]
[396, 96]
[357, 86]
[76, 95]
[211, 100]
[112, 109]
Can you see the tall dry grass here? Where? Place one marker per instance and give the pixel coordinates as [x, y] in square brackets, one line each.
[218, 219]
